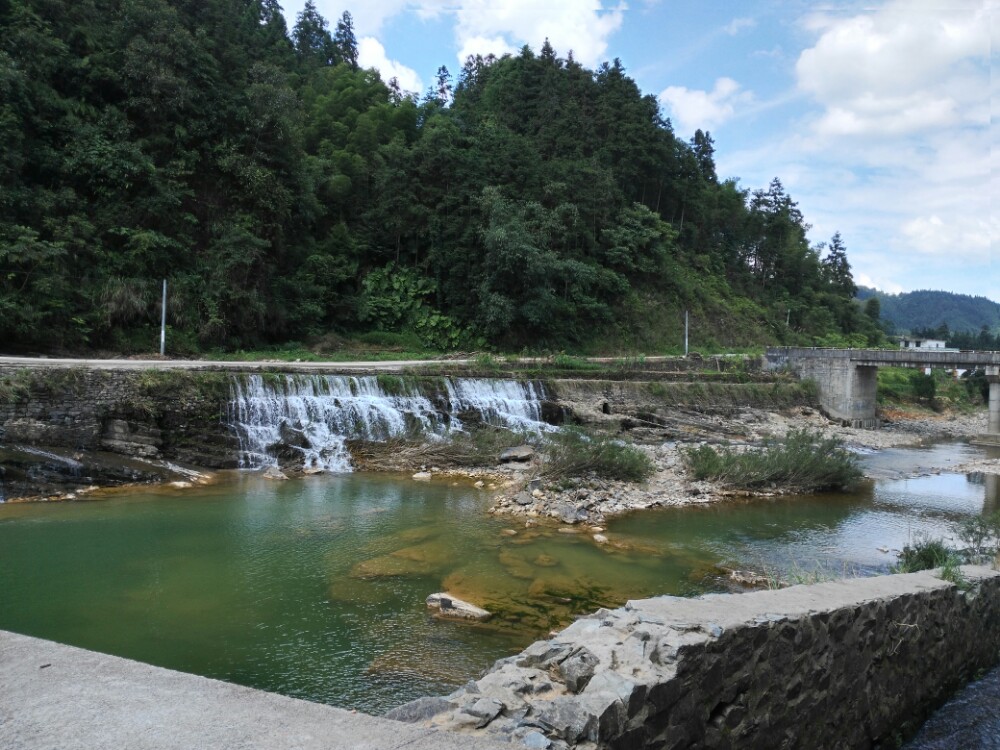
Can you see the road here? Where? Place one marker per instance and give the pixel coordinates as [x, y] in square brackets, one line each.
[204, 364]
[282, 365]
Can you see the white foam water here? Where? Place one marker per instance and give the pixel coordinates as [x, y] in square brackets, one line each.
[316, 415]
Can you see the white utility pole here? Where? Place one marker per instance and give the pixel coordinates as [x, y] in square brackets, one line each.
[163, 321]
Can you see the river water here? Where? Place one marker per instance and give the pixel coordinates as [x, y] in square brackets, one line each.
[315, 587]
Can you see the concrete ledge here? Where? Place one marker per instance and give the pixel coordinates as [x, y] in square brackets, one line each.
[54, 696]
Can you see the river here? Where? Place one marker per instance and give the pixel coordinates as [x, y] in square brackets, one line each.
[315, 587]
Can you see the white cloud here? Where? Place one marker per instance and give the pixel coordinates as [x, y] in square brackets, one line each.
[480, 45]
[971, 237]
[691, 109]
[737, 25]
[886, 285]
[371, 54]
[894, 148]
[909, 66]
[483, 26]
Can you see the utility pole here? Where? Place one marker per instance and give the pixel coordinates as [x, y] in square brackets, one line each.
[163, 321]
[685, 333]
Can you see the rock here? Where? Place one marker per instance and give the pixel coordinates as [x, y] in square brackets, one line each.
[577, 669]
[600, 539]
[420, 709]
[523, 498]
[519, 453]
[423, 476]
[533, 739]
[181, 485]
[478, 485]
[534, 484]
[449, 606]
[566, 513]
[537, 494]
[484, 710]
[508, 532]
[273, 472]
[597, 529]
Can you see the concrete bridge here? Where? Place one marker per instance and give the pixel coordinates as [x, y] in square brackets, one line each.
[847, 382]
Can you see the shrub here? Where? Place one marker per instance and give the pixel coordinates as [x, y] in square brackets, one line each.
[803, 461]
[923, 553]
[572, 452]
[923, 385]
[982, 535]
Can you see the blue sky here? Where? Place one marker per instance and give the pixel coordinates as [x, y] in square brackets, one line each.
[875, 116]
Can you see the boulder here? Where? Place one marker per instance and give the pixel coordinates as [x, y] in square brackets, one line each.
[520, 453]
[450, 607]
[273, 472]
[420, 709]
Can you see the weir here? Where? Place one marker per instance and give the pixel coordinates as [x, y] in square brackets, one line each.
[315, 415]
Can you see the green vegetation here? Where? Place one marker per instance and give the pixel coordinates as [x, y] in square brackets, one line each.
[15, 387]
[964, 321]
[289, 196]
[574, 453]
[981, 534]
[923, 554]
[902, 387]
[801, 461]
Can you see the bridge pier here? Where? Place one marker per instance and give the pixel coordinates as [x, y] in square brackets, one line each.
[994, 422]
[992, 436]
[846, 378]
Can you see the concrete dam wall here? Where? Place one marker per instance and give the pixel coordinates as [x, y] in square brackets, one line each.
[846, 664]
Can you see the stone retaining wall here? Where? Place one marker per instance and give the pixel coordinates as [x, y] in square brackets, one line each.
[150, 414]
[846, 664]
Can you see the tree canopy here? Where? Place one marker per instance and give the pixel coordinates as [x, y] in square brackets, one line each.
[285, 192]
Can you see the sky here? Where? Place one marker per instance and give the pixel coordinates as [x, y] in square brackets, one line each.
[875, 116]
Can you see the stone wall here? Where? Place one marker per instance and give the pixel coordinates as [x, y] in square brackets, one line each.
[846, 664]
[150, 414]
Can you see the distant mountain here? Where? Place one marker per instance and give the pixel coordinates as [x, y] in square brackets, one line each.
[925, 309]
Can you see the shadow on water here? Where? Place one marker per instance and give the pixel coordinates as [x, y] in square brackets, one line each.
[315, 587]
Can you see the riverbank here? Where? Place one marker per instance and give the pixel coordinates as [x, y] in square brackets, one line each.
[593, 501]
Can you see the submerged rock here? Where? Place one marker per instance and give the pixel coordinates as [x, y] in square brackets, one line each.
[273, 472]
[449, 606]
[423, 476]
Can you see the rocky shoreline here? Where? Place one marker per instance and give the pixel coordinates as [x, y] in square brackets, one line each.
[591, 501]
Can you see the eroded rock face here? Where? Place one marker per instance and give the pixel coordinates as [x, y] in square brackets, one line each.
[817, 666]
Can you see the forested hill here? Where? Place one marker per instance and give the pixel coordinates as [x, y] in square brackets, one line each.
[285, 193]
[926, 310]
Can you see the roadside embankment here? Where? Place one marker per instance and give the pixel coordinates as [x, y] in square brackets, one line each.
[851, 663]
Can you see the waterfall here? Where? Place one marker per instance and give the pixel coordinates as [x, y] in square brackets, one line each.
[313, 416]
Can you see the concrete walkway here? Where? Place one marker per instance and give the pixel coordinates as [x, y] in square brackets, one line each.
[55, 697]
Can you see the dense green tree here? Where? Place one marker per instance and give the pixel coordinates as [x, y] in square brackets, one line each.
[345, 41]
[285, 192]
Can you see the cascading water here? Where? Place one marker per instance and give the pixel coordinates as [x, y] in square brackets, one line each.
[314, 415]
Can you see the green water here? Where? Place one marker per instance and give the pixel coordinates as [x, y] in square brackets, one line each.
[315, 588]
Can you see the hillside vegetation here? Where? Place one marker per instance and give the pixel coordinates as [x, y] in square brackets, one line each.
[940, 313]
[287, 195]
